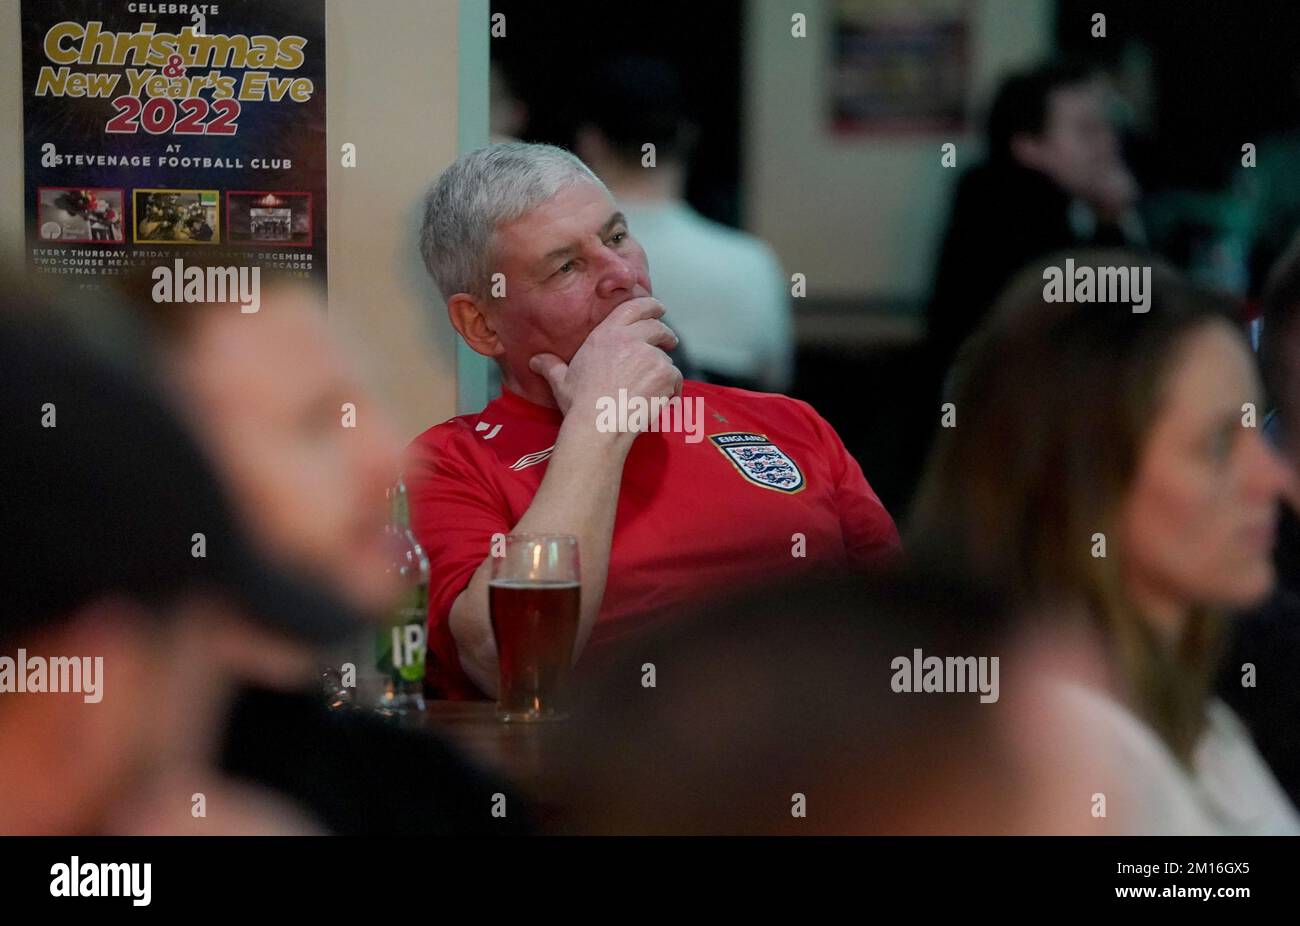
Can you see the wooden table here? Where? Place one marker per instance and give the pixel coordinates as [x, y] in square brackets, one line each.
[516, 751]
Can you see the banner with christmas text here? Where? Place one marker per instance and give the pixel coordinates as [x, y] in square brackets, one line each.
[163, 131]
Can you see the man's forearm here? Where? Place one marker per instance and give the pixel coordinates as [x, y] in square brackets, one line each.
[578, 496]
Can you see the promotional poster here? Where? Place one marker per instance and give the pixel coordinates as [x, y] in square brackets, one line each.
[163, 131]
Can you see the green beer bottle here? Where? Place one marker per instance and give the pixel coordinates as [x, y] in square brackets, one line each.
[400, 646]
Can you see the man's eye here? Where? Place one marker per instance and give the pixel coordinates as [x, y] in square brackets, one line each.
[618, 237]
[565, 267]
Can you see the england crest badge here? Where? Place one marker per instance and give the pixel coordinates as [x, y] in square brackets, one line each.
[760, 461]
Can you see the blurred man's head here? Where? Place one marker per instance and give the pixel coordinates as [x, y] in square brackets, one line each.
[535, 215]
[1053, 120]
[306, 451]
[633, 101]
[128, 569]
[781, 712]
[507, 112]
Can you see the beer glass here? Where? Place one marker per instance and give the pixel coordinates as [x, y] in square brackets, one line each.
[533, 600]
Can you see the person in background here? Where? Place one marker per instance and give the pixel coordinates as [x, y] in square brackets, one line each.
[725, 291]
[1260, 675]
[1103, 464]
[752, 485]
[1270, 190]
[507, 112]
[311, 489]
[1053, 178]
[126, 561]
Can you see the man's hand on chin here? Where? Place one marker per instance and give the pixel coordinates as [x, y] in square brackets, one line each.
[625, 351]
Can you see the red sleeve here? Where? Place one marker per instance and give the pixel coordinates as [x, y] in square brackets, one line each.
[454, 513]
[870, 536]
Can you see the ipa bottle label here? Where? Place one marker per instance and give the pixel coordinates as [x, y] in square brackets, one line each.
[404, 658]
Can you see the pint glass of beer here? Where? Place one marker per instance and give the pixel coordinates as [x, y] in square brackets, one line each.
[533, 601]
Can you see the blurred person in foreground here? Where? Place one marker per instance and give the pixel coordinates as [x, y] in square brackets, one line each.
[264, 391]
[811, 730]
[1053, 178]
[1105, 464]
[724, 289]
[724, 487]
[132, 607]
[1261, 677]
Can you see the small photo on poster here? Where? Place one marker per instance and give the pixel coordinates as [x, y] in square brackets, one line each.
[76, 216]
[176, 217]
[269, 217]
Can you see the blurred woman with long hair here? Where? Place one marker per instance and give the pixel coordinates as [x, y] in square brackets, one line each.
[1105, 461]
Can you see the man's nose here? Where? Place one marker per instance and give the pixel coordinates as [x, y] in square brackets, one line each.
[617, 275]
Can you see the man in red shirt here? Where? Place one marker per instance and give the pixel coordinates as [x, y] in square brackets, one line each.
[540, 273]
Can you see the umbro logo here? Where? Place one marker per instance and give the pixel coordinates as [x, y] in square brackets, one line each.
[531, 459]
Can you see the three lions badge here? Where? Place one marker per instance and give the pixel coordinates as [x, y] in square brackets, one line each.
[760, 461]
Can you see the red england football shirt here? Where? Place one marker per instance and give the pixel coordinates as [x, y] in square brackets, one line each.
[693, 519]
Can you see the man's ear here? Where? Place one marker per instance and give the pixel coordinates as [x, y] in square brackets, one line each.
[467, 317]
